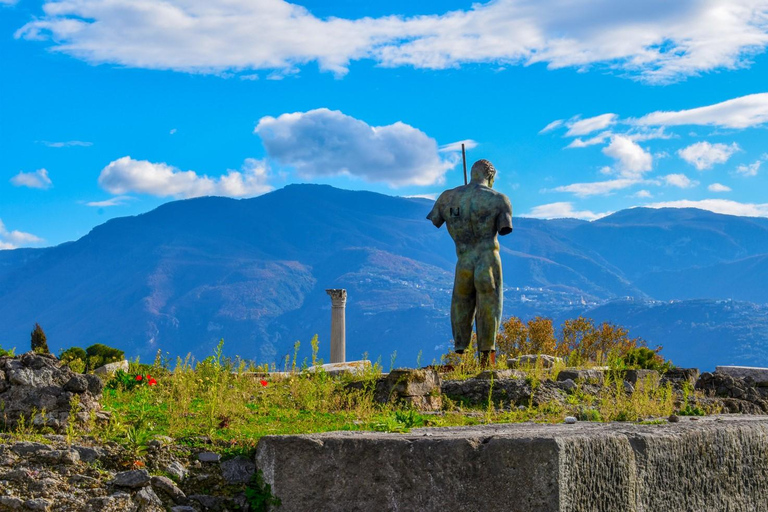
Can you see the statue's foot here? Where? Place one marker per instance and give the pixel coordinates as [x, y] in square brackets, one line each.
[488, 359]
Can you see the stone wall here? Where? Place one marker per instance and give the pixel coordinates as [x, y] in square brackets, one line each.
[709, 464]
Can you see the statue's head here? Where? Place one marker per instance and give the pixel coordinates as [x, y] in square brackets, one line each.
[483, 172]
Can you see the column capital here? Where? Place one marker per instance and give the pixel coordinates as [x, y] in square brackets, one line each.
[338, 297]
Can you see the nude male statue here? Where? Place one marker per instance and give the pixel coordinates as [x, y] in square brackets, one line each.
[475, 214]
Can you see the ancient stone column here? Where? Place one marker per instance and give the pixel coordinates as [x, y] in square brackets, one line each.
[338, 327]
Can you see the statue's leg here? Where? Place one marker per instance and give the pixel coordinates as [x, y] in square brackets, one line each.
[463, 304]
[488, 283]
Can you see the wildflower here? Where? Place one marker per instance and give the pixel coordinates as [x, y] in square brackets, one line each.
[139, 377]
[263, 382]
[149, 377]
[151, 381]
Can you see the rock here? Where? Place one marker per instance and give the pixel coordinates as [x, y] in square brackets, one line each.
[148, 500]
[37, 504]
[533, 360]
[641, 376]
[118, 502]
[176, 470]
[567, 385]
[628, 388]
[570, 420]
[740, 372]
[673, 418]
[591, 376]
[88, 454]
[132, 479]
[410, 382]
[679, 376]
[238, 470]
[216, 503]
[109, 369]
[11, 503]
[501, 374]
[77, 384]
[27, 447]
[208, 457]
[182, 508]
[95, 384]
[166, 486]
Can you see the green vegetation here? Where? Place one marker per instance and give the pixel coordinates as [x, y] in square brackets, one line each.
[39, 342]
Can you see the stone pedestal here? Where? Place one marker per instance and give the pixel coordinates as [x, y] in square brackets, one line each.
[338, 327]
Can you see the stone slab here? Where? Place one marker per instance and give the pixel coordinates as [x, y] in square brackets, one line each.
[335, 369]
[708, 465]
[758, 374]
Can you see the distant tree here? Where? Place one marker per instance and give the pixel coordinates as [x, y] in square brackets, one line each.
[39, 341]
[99, 354]
[512, 338]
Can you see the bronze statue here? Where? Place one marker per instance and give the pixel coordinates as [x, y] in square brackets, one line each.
[475, 214]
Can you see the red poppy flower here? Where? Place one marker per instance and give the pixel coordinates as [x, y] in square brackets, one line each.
[139, 377]
[149, 377]
[151, 382]
[263, 382]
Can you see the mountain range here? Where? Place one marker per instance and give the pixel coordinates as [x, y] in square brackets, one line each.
[254, 272]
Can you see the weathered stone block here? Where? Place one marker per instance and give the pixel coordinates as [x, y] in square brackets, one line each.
[709, 465]
[348, 367]
[110, 368]
[742, 372]
[591, 376]
[501, 374]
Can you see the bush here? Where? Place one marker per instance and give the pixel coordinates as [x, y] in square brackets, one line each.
[9, 353]
[71, 354]
[643, 358]
[39, 342]
[100, 354]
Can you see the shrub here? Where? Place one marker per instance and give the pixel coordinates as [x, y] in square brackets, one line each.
[100, 354]
[644, 358]
[71, 354]
[39, 342]
[9, 353]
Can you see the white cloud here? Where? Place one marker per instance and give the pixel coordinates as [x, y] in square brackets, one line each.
[250, 77]
[656, 41]
[326, 142]
[7, 2]
[704, 155]
[724, 206]
[113, 201]
[551, 126]
[679, 181]
[67, 144]
[456, 146]
[742, 112]
[598, 187]
[749, 169]
[126, 175]
[597, 139]
[173, 130]
[589, 125]
[643, 194]
[36, 179]
[633, 160]
[14, 239]
[718, 187]
[561, 211]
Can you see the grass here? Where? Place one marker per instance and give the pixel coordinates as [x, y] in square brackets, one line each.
[232, 403]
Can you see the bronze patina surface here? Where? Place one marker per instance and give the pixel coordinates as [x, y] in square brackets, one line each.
[475, 214]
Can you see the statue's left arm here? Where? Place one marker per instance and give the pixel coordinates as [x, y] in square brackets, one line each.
[504, 217]
[435, 215]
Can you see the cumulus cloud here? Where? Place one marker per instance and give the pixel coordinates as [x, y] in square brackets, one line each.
[742, 112]
[598, 187]
[679, 181]
[597, 139]
[589, 125]
[36, 179]
[749, 169]
[656, 41]
[633, 160]
[718, 187]
[126, 175]
[563, 210]
[14, 239]
[704, 155]
[326, 142]
[724, 206]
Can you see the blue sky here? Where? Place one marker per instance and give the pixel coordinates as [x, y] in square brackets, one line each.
[110, 108]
